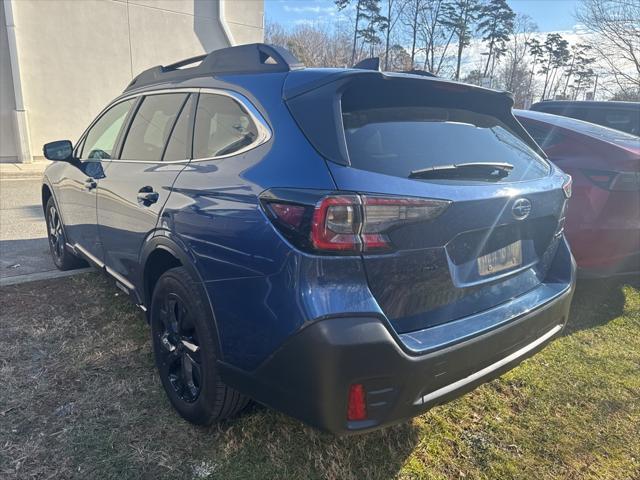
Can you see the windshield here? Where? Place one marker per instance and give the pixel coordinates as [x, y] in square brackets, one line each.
[399, 140]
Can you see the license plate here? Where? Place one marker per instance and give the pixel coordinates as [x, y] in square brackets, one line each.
[503, 259]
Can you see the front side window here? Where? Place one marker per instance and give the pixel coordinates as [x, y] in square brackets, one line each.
[101, 138]
[151, 127]
[222, 127]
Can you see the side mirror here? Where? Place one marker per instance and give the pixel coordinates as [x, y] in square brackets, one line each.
[60, 150]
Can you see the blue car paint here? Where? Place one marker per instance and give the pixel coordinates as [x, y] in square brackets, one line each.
[262, 289]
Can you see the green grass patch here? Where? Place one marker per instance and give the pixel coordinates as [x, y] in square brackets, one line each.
[80, 399]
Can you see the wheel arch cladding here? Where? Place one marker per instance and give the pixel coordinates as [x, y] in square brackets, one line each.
[46, 195]
[158, 262]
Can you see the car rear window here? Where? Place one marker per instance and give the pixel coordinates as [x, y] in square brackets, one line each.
[396, 140]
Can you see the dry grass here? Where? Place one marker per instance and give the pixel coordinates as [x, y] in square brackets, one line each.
[80, 399]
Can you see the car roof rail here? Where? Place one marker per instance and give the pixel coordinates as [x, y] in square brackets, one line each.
[251, 58]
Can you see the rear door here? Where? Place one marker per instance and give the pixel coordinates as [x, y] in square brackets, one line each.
[136, 185]
[498, 235]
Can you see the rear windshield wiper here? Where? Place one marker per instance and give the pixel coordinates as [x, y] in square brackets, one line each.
[482, 170]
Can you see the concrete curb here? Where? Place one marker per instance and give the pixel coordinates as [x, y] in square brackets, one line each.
[34, 277]
[23, 171]
[21, 176]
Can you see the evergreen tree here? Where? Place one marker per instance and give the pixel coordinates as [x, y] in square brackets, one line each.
[496, 25]
[460, 16]
[556, 51]
[369, 22]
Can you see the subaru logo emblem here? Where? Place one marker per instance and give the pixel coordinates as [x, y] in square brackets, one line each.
[521, 209]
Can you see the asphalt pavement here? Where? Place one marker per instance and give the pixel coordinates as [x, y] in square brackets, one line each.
[24, 250]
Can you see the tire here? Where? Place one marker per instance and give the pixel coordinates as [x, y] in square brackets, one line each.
[185, 348]
[62, 257]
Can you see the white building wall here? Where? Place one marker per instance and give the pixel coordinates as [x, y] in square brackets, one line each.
[8, 152]
[77, 55]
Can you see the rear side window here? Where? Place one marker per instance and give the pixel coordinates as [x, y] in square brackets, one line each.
[625, 120]
[397, 140]
[101, 138]
[222, 127]
[177, 148]
[151, 127]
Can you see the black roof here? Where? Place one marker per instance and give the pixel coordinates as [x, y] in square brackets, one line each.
[252, 58]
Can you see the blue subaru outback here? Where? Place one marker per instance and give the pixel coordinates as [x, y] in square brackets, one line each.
[348, 246]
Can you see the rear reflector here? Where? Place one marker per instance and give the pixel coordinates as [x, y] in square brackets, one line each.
[292, 215]
[357, 407]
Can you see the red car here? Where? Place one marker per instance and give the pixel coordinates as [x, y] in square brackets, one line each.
[603, 220]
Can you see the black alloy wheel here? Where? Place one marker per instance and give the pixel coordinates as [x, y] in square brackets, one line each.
[62, 257]
[180, 350]
[185, 346]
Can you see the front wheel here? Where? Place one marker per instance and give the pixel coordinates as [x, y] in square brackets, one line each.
[185, 350]
[61, 256]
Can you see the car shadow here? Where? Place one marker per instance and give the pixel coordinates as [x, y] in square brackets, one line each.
[598, 301]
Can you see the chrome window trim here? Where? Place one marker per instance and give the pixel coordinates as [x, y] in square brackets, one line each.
[264, 131]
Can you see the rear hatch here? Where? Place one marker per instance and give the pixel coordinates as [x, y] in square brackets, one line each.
[498, 222]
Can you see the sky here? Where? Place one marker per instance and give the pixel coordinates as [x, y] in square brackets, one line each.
[550, 15]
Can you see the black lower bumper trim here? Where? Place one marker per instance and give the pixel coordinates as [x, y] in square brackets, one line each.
[309, 376]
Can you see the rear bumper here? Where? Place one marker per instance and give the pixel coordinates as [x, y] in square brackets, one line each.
[310, 375]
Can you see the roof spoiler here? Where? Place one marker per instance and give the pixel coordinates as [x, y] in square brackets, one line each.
[422, 73]
[252, 58]
[371, 63]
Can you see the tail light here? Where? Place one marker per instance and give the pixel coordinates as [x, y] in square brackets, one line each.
[614, 181]
[356, 405]
[347, 224]
[336, 224]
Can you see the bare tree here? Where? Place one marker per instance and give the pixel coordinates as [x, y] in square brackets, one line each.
[313, 45]
[434, 35]
[524, 29]
[615, 38]
[394, 11]
[411, 21]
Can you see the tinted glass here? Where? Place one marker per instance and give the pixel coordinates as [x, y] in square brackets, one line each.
[152, 126]
[222, 127]
[396, 141]
[178, 141]
[623, 119]
[101, 139]
[544, 135]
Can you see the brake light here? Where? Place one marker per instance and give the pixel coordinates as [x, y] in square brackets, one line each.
[615, 181]
[349, 224]
[356, 407]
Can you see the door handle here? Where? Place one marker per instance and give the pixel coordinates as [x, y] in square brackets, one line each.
[146, 196]
[90, 184]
